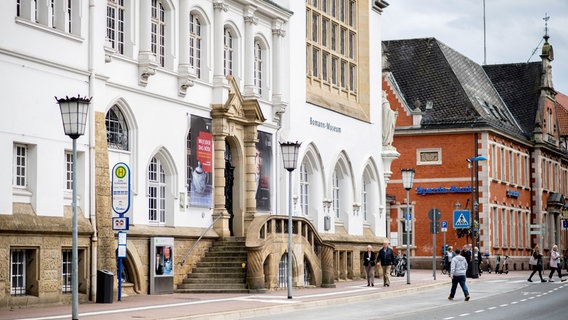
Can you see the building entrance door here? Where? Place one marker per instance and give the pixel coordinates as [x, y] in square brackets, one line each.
[229, 179]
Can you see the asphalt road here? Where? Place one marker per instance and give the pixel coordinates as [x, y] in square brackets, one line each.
[497, 299]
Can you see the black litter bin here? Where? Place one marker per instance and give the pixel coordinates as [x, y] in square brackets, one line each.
[104, 286]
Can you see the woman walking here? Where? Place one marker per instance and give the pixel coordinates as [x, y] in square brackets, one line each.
[369, 262]
[555, 264]
[538, 266]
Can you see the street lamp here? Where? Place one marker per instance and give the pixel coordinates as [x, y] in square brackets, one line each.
[407, 181]
[290, 159]
[475, 214]
[74, 112]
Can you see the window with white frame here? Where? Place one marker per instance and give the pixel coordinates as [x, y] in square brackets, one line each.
[364, 200]
[503, 227]
[544, 174]
[20, 166]
[502, 168]
[158, 32]
[511, 167]
[527, 170]
[156, 192]
[304, 189]
[335, 193]
[195, 42]
[116, 129]
[512, 232]
[68, 170]
[66, 270]
[495, 222]
[527, 230]
[494, 161]
[228, 50]
[115, 24]
[429, 156]
[519, 179]
[60, 16]
[520, 229]
[258, 66]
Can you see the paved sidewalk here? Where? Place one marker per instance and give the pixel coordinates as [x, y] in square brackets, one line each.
[237, 306]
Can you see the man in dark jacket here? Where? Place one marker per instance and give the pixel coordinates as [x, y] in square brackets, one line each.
[386, 259]
[369, 261]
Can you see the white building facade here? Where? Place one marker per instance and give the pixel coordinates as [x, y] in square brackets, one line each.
[194, 97]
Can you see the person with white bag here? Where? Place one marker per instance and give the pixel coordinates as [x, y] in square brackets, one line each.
[555, 264]
[536, 264]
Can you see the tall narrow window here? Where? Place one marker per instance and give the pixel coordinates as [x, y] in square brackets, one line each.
[195, 43]
[117, 129]
[115, 24]
[503, 228]
[20, 165]
[364, 200]
[325, 66]
[228, 52]
[304, 190]
[315, 24]
[156, 192]
[68, 170]
[67, 270]
[69, 17]
[158, 32]
[335, 192]
[495, 223]
[315, 62]
[258, 66]
[18, 262]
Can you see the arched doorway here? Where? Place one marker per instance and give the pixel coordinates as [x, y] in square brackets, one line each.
[229, 181]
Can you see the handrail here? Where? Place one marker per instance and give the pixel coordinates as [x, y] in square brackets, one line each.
[198, 239]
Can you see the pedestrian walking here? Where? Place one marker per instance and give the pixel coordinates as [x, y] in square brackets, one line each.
[386, 259]
[537, 256]
[457, 273]
[369, 261]
[555, 264]
[448, 258]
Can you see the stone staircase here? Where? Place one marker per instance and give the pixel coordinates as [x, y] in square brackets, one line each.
[220, 270]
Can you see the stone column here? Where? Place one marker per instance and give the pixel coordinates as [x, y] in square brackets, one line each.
[250, 22]
[327, 278]
[250, 140]
[219, 136]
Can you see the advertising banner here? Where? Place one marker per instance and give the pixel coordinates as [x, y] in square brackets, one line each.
[263, 162]
[201, 162]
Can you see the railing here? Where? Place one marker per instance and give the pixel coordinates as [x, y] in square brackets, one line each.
[198, 239]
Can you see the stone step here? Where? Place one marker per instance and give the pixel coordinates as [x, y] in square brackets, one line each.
[210, 286]
[226, 254]
[213, 280]
[221, 259]
[213, 275]
[235, 291]
[218, 269]
[223, 263]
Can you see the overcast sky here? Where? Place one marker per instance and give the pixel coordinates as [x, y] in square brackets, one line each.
[514, 28]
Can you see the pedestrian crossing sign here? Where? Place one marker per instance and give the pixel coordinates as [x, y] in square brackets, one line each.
[462, 219]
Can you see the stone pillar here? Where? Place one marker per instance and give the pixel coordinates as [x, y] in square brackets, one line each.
[219, 136]
[250, 140]
[328, 278]
[255, 270]
[106, 257]
[278, 33]
[250, 22]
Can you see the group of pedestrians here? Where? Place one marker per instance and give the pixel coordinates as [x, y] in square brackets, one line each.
[537, 264]
[385, 258]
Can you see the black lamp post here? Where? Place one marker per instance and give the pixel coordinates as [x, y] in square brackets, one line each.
[290, 159]
[407, 181]
[74, 114]
[472, 163]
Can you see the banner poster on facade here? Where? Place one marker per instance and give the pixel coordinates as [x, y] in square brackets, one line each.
[201, 162]
[263, 161]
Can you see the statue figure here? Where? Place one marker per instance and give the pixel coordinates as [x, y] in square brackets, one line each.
[389, 121]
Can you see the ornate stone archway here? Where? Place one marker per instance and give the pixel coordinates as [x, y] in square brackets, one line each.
[235, 122]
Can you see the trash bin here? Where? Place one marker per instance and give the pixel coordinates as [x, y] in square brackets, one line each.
[104, 286]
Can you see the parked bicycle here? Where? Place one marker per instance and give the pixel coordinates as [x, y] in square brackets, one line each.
[399, 269]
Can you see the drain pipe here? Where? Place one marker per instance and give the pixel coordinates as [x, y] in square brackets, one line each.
[92, 155]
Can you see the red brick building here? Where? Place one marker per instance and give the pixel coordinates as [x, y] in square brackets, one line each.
[450, 110]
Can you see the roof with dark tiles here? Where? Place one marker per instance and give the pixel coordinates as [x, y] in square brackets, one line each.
[519, 86]
[451, 90]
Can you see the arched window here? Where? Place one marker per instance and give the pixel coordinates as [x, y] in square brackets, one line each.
[228, 52]
[304, 189]
[283, 271]
[156, 192]
[335, 193]
[258, 60]
[195, 42]
[116, 129]
[158, 29]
